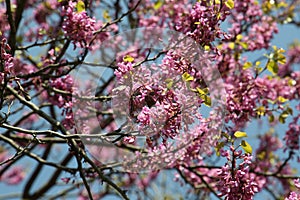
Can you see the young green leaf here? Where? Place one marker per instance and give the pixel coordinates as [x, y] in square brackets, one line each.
[187, 77]
[128, 58]
[240, 134]
[230, 4]
[80, 6]
[246, 146]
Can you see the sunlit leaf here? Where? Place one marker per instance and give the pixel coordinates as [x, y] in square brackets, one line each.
[247, 65]
[271, 118]
[261, 111]
[206, 48]
[128, 58]
[282, 99]
[169, 83]
[246, 146]
[240, 134]
[230, 4]
[272, 67]
[231, 45]
[218, 147]
[244, 45]
[106, 15]
[158, 4]
[80, 6]
[203, 95]
[239, 37]
[187, 77]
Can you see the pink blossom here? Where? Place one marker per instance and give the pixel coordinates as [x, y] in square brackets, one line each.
[14, 176]
[78, 26]
[144, 116]
[123, 68]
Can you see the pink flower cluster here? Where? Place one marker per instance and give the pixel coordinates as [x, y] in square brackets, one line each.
[14, 175]
[202, 23]
[64, 84]
[123, 68]
[6, 60]
[292, 136]
[77, 25]
[295, 195]
[156, 109]
[236, 182]
[242, 96]
[248, 16]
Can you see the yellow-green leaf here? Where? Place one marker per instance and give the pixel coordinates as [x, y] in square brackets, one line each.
[218, 147]
[169, 83]
[282, 4]
[244, 45]
[281, 119]
[261, 110]
[207, 101]
[80, 6]
[240, 134]
[282, 99]
[158, 4]
[202, 91]
[206, 48]
[230, 4]
[187, 77]
[271, 118]
[239, 37]
[106, 15]
[128, 58]
[246, 146]
[204, 97]
[247, 65]
[231, 45]
[292, 82]
[272, 67]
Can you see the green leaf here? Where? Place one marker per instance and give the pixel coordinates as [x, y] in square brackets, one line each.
[282, 99]
[244, 45]
[106, 15]
[246, 146]
[206, 48]
[261, 111]
[203, 95]
[247, 65]
[283, 116]
[226, 135]
[128, 58]
[219, 146]
[169, 83]
[230, 4]
[272, 66]
[271, 118]
[240, 134]
[158, 4]
[231, 45]
[80, 6]
[187, 77]
[281, 119]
